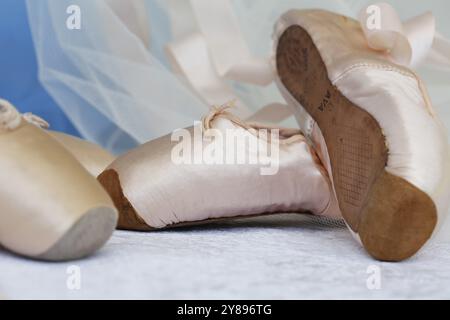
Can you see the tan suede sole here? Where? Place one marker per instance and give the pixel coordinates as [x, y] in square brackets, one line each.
[393, 218]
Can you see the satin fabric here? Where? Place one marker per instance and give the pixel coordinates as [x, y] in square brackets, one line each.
[83, 72]
[164, 193]
[44, 190]
[130, 109]
[19, 82]
[91, 156]
[392, 94]
[407, 43]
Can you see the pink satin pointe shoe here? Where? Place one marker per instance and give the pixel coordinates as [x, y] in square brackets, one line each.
[373, 126]
[153, 188]
[51, 207]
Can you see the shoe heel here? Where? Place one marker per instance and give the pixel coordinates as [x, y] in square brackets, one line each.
[397, 220]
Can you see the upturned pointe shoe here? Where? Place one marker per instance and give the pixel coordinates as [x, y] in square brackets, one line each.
[51, 207]
[154, 188]
[373, 126]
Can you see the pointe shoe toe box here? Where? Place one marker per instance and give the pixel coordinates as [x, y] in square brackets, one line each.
[86, 236]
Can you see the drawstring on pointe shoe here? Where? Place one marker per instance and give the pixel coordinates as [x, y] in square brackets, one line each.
[36, 120]
[287, 135]
[10, 118]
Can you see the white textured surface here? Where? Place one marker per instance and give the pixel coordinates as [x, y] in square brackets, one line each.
[285, 257]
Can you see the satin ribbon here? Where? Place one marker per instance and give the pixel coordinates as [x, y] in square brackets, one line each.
[35, 120]
[9, 116]
[216, 50]
[134, 16]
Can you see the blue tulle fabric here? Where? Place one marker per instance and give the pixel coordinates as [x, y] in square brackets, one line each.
[19, 72]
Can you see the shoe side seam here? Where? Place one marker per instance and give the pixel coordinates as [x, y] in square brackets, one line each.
[372, 65]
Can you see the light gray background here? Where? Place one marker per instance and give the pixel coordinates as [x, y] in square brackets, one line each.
[283, 257]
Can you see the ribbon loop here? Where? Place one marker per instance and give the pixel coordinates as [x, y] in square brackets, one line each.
[9, 116]
[406, 43]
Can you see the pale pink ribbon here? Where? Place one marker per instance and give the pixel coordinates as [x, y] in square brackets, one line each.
[209, 50]
[408, 43]
[213, 50]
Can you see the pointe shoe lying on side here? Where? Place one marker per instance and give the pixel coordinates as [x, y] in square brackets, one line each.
[373, 126]
[51, 208]
[154, 190]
